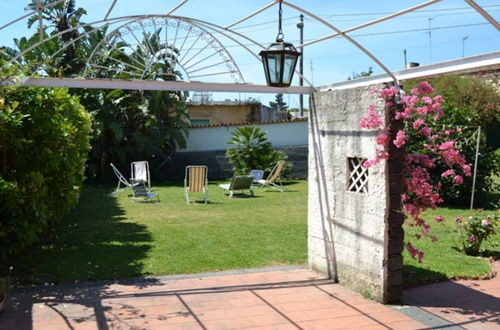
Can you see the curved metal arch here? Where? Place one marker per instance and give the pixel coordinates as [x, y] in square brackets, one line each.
[346, 36]
[165, 21]
[220, 30]
[55, 35]
[109, 21]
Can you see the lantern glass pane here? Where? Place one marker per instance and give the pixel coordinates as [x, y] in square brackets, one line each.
[290, 62]
[274, 64]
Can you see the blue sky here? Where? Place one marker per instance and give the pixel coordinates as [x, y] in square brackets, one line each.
[329, 61]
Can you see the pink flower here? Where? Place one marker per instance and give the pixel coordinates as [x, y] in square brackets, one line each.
[426, 131]
[382, 139]
[458, 179]
[417, 123]
[448, 145]
[371, 120]
[389, 92]
[422, 87]
[485, 223]
[458, 219]
[400, 139]
[414, 252]
[427, 100]
[472, 238]
[438, 100]
[439, 218]
[447, 173]
[448, 131]
[466, 169]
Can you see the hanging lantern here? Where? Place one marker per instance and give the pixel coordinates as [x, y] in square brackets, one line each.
[279, 60]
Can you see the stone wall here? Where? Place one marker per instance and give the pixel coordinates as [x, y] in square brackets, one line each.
[280, 134]
[348, 231]
[219, 167]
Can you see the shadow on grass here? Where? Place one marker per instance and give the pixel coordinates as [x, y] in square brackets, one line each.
[92, 243]
[485, 253]
[415, 276]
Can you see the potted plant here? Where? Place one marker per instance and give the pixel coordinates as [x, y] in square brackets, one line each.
[5, 286]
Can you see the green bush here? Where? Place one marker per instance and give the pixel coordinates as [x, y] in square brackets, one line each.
[252, 151]
[44, 143]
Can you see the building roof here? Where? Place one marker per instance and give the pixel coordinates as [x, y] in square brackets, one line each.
[226, 102]
[270, 122]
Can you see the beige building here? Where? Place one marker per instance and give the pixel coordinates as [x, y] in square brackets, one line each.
[230, 112]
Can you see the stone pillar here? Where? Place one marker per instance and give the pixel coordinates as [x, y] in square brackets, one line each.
[394, 234]
[354, 225]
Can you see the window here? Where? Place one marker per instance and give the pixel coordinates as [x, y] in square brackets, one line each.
[358, 175]
[200, 121]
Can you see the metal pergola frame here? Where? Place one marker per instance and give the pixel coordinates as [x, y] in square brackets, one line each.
[229, 33]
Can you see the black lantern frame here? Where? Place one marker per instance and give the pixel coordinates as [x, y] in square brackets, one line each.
[279, 59]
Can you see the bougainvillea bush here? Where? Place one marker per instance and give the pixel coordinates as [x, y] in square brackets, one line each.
[468, 103]
[419, 112]
[44, 143]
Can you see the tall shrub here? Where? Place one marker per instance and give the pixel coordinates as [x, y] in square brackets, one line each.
[44, 142]
[252, 150]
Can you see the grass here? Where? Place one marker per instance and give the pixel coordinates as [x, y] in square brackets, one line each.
[107, 238]
[444, 258]
[112, 237]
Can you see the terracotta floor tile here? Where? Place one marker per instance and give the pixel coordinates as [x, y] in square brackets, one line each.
[264, 300]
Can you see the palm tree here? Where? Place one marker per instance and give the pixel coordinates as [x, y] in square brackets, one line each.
[64, 17]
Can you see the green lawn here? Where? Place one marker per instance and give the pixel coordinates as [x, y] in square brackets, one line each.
[112, 237]
[443, 259]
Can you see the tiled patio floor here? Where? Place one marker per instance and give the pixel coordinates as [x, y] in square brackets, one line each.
[277, 299]
[464, 304]
[286, 299]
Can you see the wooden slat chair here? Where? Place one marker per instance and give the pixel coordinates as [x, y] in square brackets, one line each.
[195, 181]
[273, 177]
[239, 183]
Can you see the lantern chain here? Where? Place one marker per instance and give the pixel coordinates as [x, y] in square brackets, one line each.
[280, 36]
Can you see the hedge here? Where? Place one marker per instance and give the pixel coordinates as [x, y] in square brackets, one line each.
[44, 143]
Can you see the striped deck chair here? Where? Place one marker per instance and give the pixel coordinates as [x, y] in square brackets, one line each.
[196, 182]
[273, 177]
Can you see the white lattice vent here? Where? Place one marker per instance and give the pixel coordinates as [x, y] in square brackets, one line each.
[358, 175]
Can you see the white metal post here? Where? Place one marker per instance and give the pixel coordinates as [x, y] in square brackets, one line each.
[475, 167]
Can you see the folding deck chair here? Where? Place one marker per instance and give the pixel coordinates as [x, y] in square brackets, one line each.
[257, 175]
[121, 180]
[239, 182]
[140, 192]
[139, 172]
[274, 176]
[195, 181]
